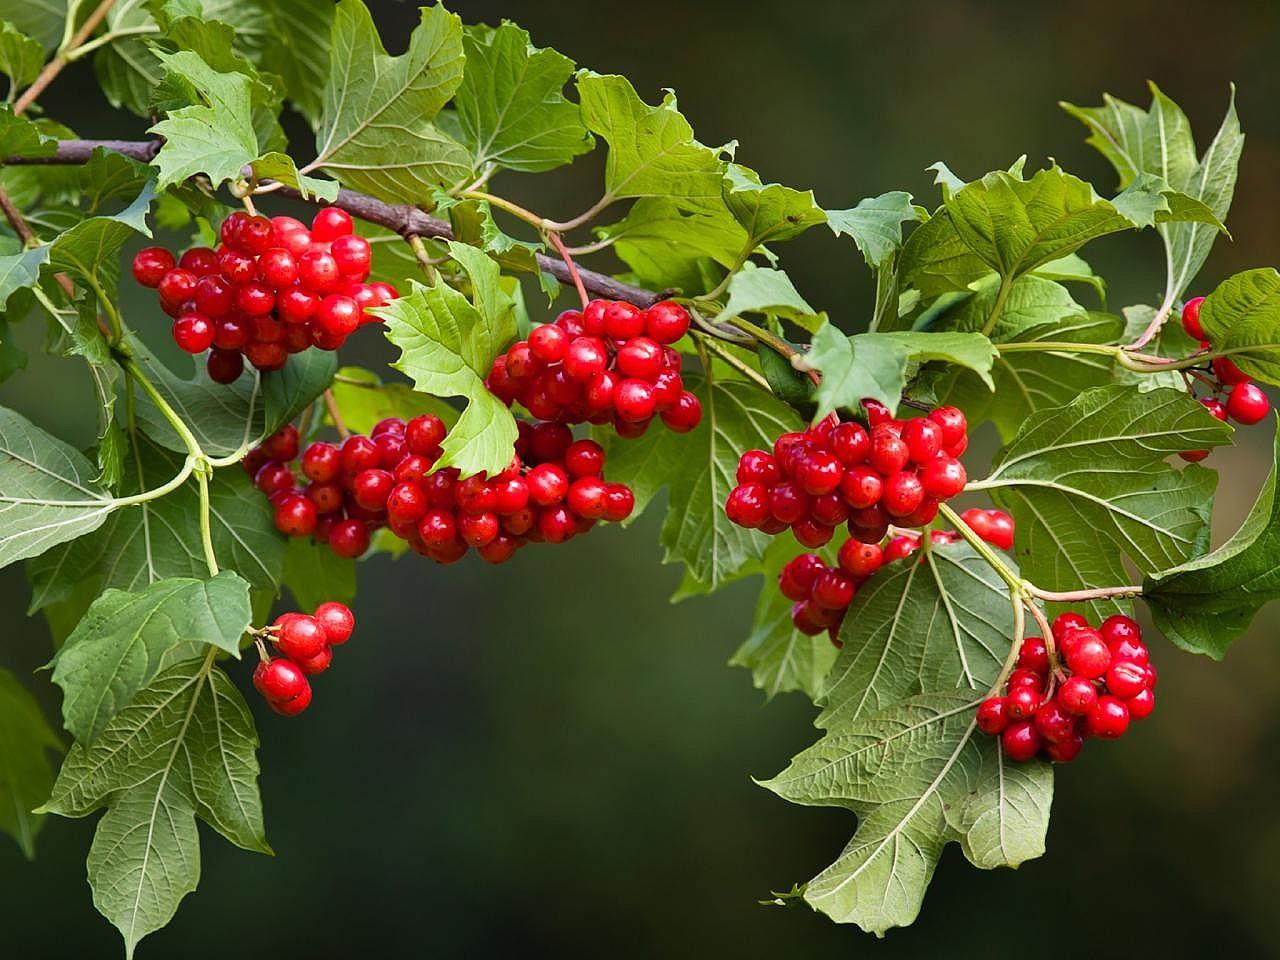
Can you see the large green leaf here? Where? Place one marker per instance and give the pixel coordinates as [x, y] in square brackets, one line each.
[47, 495]
[447, 346]
[1204, 605]
[160, 539]
[1090, 483]
[652, 152]
[769, 291]
[875, 224]
[1158, 141]
[677, 243]
[363, 400]
[42, 19]
[511, 105]
[184, 747]
[25, 773]
[315, 574]
[769, 212]
[376, 132]
[918, 777]
[1243, 315]
[698, 469]
[125, 639]
[935, 260]
[940, 620]
[874, 365]
[298, 50]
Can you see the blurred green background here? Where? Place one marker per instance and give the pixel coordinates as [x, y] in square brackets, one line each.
[547, 756]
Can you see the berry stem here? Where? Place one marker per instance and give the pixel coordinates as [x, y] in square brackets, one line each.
[1011, 658]
[1046, 634]
[1017, 586]
[778, 345]
[179, 425]
[423, 256]
[331, 405]
[1083, 596]
[206, 531]
[556, 242]
[724, 354]
[997, 308]
[720, 331]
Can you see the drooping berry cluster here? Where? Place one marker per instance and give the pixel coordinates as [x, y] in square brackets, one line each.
[610, 362]
[1108, 681]
[269, 289]
[306, 647]
[553, 490]
[1234, 394]
[836, 472]
[822, 593]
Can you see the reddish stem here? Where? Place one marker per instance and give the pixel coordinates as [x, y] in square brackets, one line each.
[573, 267]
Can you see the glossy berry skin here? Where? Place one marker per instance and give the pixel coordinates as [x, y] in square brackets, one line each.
[300, 636]
[584, 358]
[293, 706]
[1191, 318]
[684, 414]
[349, 538]
[634, 400]
[1141, 704]
[1077, 696]
[1118, 627]
[295, 516]
[666, 321]
[1109, 718]
[943, 477]
[832, 590]
[318, 663]
[953, 423]
[425, 433]
[1126, 680]
[352, 255]
[151, 264]
[193, 332]
[619, 502]
[330, 223]
[903, 493]
[992, 716]
[279, 680]
[818, 473]
[1247, 404]
[1034, 655]
[798, 576]
[860, 560]
[549, 343]
[1227, 372]
[1024, 677]
[1023, 701]
[1066, 751]
[1020, 741]
[1089, 657]
[224, 366]
[1053, 723]
[1067, 621]
[923, 438]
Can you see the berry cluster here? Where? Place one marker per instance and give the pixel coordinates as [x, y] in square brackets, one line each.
[896, 473]
[553, 490]
[306, 647]
[270, 288]
[609, 362]
[1107, 682]
[822, 593]
[1244, 401]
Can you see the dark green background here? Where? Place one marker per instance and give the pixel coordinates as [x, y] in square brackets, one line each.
[547, 757]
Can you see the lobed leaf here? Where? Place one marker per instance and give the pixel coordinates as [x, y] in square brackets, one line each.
[875, 224]
[1242, 315]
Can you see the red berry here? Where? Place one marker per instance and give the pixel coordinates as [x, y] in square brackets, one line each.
[888, 453]
[622, 321]
[358, 453]
[318, 271]
[549, 343]
[584, 458]
[295, 516]
[593, 317]
[556, 524]
[300, 636]
[293, 706]
[329, 223]
[1054, 724]
[326, 496]
[634, 400]
[787, 502]
[349, 538]
[586, 497]
[1227, 372]
[1119, 627]
[1034, 655]
[253, 235]
[861, 487]
[320, 462]
[279, 679]
[850, 443]
[798, 575]
[176, 287]
[1126, 679]
[1128, 650]
[1247, 404]
[903, 493]
[193, 332]
[619, 502]
[999, 530]
[992, 716]
[923, 438]
[151, 264]
[748, 505]
[640, 357]
[1026, 677]
[477, 529]
[352, 254]
[810, 533]
[236, 266]
[860, 560]
[1191, 318]
[1023, 701]
[943, 477]
[425, 433]
[1141, 704]
[1020, 741]
[406, 503]
[953, 423]
[666, 321]
[548, 484]
[1066, 751]
[900, 548]
[684, 414]
[1088, 657]
[337, 315]
[818, 473]
[1064, 622]
[833, 590]
[1077, 696]
[318, 663]
[549, 441]
[584, 358]
[224, 366]
[1108, 719]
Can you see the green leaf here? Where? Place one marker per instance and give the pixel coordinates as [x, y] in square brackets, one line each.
[298, 50]
[677, 243]
[376, 132]
[447, 346]
[279, 166]
[874, 365]
[698, 469]
[875, 224]
[1205, 605]
[160, 539]
[184, 747]
[26, 776]
[42, 19]
[652, 152]
[1242, 315]
[46, 494]
[918, 777]
[511, 105]
[1150, 200]
[1015, 225]
[1159, 141]
[940, 620]
[215, 137]
[1073, 268]
[1089, 483]
[125, 639]
[315, 574]
[367, 400]
[769, 212]
[20, 56]
[936, 260]
[779, 656]
[20, 271]
[763, 290]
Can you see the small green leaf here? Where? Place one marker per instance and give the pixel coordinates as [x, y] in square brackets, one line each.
[363, 400]
[315, 574]
[280, 166]
[769, 212]
[20, 56]
[1242, 315]
[125, 639]
[376, 132]
[763, 290]
[447, 346]
[652, 152]
[46, 494]
[20, 271]
[875, 224]
[184, 747]
[26, 777]
[1204, 605]
[511, 105]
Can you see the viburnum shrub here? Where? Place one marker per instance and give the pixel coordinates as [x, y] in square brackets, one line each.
[921, 591]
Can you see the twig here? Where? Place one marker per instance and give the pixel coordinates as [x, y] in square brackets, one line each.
[331, 404]
[573, 267]
[54, 66]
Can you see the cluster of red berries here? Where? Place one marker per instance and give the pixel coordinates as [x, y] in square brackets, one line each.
[822, 593]
[1108, 681]
[1244, 401]
[553, 490]
[895, 473]
[306, 647]
[270, 288]
[609, 362]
